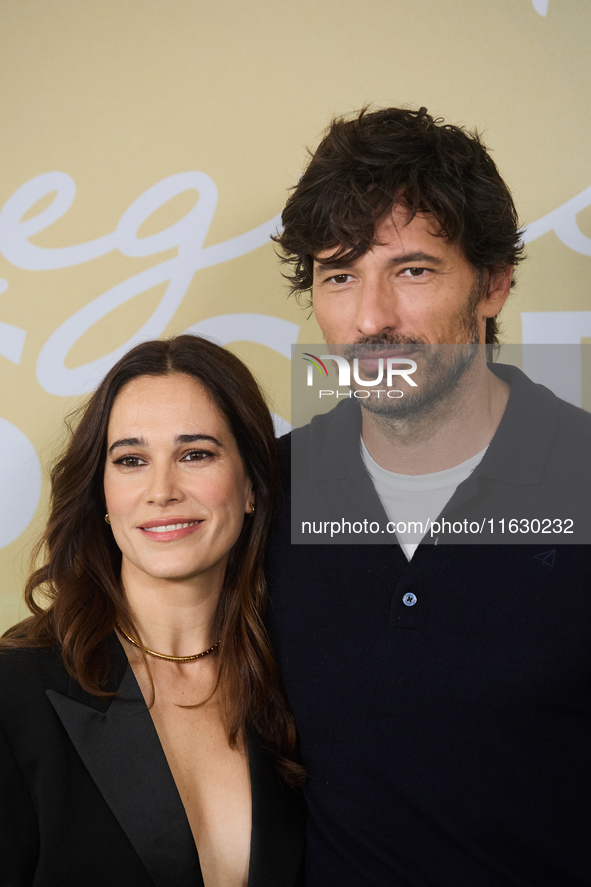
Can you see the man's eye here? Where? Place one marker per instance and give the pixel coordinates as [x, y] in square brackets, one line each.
[415, 272]
[340, 278]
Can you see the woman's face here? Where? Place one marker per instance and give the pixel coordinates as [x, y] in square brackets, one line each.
[175, 486]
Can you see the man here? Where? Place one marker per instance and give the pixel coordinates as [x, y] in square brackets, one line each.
[442, 692]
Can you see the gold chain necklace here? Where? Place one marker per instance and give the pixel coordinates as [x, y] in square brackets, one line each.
[163, 655]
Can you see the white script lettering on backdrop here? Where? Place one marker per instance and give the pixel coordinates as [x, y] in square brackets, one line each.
[540, 6]
[187, 235]
[558, 327]
[19, 465]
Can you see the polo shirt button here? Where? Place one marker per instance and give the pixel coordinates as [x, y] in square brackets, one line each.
[409, 599]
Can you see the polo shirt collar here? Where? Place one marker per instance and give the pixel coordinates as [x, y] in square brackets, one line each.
[517, 452]
[520, 447]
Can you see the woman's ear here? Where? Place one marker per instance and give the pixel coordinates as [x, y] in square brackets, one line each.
[249, 506]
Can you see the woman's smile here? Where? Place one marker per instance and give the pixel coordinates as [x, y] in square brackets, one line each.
[169, 528]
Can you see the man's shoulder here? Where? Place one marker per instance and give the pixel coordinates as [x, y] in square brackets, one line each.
[344, 416]
[575, 418]
[529, 397]
[319, 446]
[318, 427]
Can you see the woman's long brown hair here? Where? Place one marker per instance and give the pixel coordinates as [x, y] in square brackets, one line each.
[76, 595]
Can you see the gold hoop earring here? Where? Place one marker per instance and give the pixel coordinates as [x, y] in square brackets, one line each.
[107, 520]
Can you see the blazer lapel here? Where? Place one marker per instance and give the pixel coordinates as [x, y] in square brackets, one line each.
[119, 746]
[278, 817]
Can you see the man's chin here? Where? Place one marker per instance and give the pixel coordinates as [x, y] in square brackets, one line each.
[438, 381]
[394, 403]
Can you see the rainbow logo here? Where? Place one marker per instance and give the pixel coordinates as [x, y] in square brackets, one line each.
[316, 362]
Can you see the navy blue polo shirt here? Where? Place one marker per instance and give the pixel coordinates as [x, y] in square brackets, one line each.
[447, 741]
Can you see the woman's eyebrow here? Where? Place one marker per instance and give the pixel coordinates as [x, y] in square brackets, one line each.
[179, 439]
[127, 442]
[192, 438]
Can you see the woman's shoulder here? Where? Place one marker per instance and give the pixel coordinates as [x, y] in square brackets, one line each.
[29, 671]
[27, 717]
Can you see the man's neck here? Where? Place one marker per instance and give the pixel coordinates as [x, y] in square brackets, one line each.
[457, 428]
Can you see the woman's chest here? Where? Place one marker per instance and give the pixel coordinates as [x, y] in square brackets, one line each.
[213, 782]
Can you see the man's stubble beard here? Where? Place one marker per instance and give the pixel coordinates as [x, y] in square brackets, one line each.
[440, 379]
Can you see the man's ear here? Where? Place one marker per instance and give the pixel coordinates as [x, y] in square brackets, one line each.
[497, 290]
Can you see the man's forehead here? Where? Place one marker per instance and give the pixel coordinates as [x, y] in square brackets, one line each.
[398, 230]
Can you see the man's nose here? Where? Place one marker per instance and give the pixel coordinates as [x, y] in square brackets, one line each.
[378, 309]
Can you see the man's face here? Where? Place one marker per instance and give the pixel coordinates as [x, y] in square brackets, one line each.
[412, 287]
[414, 291]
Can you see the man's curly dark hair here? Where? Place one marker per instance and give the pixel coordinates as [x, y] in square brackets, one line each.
[366, 165]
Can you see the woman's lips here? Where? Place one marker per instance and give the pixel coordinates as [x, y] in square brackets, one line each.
[171, 528]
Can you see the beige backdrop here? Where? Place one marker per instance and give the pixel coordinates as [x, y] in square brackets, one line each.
[147, 146]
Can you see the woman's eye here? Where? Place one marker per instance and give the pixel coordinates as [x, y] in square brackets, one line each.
[130, 461]
[197, 456]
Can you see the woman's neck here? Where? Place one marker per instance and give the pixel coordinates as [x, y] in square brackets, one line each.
[173, 617]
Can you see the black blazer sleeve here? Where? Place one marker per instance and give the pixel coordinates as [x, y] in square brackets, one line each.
[19, 836]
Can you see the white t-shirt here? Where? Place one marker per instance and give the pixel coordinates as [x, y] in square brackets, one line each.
[416, 498]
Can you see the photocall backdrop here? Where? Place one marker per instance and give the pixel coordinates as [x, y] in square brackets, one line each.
[147, 149]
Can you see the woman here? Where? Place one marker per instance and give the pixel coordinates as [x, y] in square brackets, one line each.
[142, 725]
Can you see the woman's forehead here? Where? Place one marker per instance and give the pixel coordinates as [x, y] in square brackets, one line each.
[166, 405]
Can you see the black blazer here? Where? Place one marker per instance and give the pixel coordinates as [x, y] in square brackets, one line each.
[87, 797]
